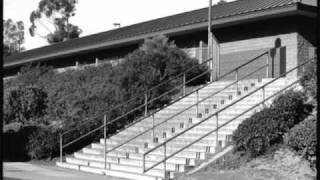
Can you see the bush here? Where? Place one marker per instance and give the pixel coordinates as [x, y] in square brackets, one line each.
[25, 104]
[43, 143]
[303, 138]
[309, 81]
[86, 95]
[267, 127]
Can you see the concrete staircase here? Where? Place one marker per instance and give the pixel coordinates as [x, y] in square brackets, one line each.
[126, 161]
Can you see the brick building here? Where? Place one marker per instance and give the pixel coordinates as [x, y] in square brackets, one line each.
[244, 29]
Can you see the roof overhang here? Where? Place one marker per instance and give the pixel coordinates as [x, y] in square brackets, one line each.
[289, 10]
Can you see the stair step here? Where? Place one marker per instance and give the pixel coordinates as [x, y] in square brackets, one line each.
[126, 161]
[115, 173]
[137, 156]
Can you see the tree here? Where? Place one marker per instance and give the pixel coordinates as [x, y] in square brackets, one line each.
[57, 14]
[156, 61]
[13, 37]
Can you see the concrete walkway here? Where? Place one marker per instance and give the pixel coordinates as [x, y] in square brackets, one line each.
[27, 171]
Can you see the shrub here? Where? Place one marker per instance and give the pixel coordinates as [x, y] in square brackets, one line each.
[293, 102]
[43, 143]
[85, 95]
[25, 104]
[303, 138]
[266, 128]
[309, 81]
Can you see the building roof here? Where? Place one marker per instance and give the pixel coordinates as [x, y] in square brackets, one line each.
[222, 14]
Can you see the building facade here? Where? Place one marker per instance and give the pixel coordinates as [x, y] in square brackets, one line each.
[243, 28]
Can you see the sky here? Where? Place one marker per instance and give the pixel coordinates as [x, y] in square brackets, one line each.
[94, 16]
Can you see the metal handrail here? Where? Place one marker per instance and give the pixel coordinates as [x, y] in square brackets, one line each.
[234, 70]
[140, 95]
[189, 107]
[119, 117]
[215, 114]
[170, 79]
[124, 103]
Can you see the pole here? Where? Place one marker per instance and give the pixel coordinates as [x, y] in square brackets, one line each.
[217, 133]
[60, 147]
[164, 162]
[197, 92]
[264, 96]
[268, 61]
[105, 140]
[143, 163]
[184, 84]
[153, 127]
[237, 83]
[210, 39]
[145, 104]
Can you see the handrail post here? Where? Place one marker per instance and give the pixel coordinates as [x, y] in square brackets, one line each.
[217, 133]
[184, 84]
[164, 162]
[197, 92]
[153, 127]
[105, 140]
[303, 69]
[60, 147]
[145, 104]
[267, 68]
[143, 163]
[263, 96]
[236, 77]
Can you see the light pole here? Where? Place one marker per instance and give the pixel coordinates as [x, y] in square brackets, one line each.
[210, 40]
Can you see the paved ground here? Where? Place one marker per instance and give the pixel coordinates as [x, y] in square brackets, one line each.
[28, 171]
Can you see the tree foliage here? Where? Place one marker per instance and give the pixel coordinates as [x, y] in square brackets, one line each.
[13, 37]
[57, 13]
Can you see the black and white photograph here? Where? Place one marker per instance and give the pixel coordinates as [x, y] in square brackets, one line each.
[159, 90]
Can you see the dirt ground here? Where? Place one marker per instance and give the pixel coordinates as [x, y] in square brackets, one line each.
[282, 165]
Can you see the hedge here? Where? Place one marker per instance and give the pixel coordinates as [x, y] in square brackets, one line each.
[67, 98]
